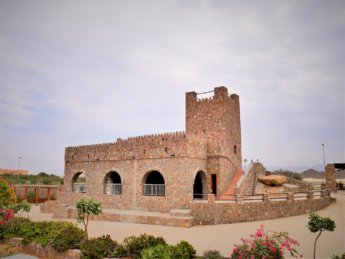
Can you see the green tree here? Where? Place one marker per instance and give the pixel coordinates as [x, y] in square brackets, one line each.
[319, 224]
[7, 195]
[85, 208]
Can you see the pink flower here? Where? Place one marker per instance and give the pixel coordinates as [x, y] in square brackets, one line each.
[8, 214]
[260, 232]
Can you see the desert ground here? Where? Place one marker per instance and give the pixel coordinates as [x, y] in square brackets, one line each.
[223, 237]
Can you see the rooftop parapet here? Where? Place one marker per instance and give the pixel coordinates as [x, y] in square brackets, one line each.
[174, 144]
[220, 92]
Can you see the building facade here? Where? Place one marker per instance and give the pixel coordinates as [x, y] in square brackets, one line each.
[180, 179]
[163, 172]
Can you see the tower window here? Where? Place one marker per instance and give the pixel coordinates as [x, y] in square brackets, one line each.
[235, 149]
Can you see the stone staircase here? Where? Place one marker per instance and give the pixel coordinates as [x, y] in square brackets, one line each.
[230, 191]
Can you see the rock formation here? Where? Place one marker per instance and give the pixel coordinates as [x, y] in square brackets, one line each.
[272, 180]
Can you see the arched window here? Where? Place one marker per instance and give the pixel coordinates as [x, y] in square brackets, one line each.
[79, 183]
[112, 183]
[154, 184]
[199, 185]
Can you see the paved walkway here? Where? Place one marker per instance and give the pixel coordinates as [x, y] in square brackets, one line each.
[223, 237]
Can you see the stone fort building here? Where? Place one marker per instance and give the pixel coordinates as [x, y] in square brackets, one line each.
[169, 178]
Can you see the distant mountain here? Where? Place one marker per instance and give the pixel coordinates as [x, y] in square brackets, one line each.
[311, 173]
[297, 169]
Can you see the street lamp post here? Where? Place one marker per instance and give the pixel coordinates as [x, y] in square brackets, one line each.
[324, 160]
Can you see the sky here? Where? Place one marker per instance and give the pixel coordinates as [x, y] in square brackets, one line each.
[87, 72]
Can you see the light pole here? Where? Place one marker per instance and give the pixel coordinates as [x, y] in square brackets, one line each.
[324, 160]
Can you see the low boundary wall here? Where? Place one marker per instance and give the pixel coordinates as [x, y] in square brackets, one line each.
[44, 252]
[258, 207]
[211, 211]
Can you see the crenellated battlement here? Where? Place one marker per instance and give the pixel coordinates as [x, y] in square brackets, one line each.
[92, 145]
[163, 145]
[155, 137]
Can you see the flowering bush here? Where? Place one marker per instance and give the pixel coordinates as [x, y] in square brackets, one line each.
[5, 215]
[265, 246]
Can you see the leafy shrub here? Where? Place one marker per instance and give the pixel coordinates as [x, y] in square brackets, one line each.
[7, 195]
[119, 251]
[70, 238]
[160, 251]
[44, 232]
[11, 228]
[98, 247]
[134, 245]
[339, 257]
[212, 254]
[61, 235]
[39, 178]
[182, 250]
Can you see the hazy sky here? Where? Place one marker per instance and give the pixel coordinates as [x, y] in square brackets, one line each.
[86, 72]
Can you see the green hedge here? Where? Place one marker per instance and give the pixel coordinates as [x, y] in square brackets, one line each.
[65, 235]
[61, 235]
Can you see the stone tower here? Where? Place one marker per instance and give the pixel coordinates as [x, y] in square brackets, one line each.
[217, 119]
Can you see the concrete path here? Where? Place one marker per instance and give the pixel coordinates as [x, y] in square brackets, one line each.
[223, 237]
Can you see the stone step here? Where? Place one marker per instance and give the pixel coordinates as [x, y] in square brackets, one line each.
[181, 213]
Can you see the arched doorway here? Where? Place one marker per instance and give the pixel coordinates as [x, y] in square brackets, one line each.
[154, 184]
[79, 183]
[198, 186]
[112, 183]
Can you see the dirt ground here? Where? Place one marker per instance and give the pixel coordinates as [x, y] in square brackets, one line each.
[223, 237]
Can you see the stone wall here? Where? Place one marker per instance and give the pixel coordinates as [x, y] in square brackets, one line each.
[302, 186]
[211, 211]
[178, 173]
[156, 146]
[248, 183]
[331, 181]
[225, 212]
